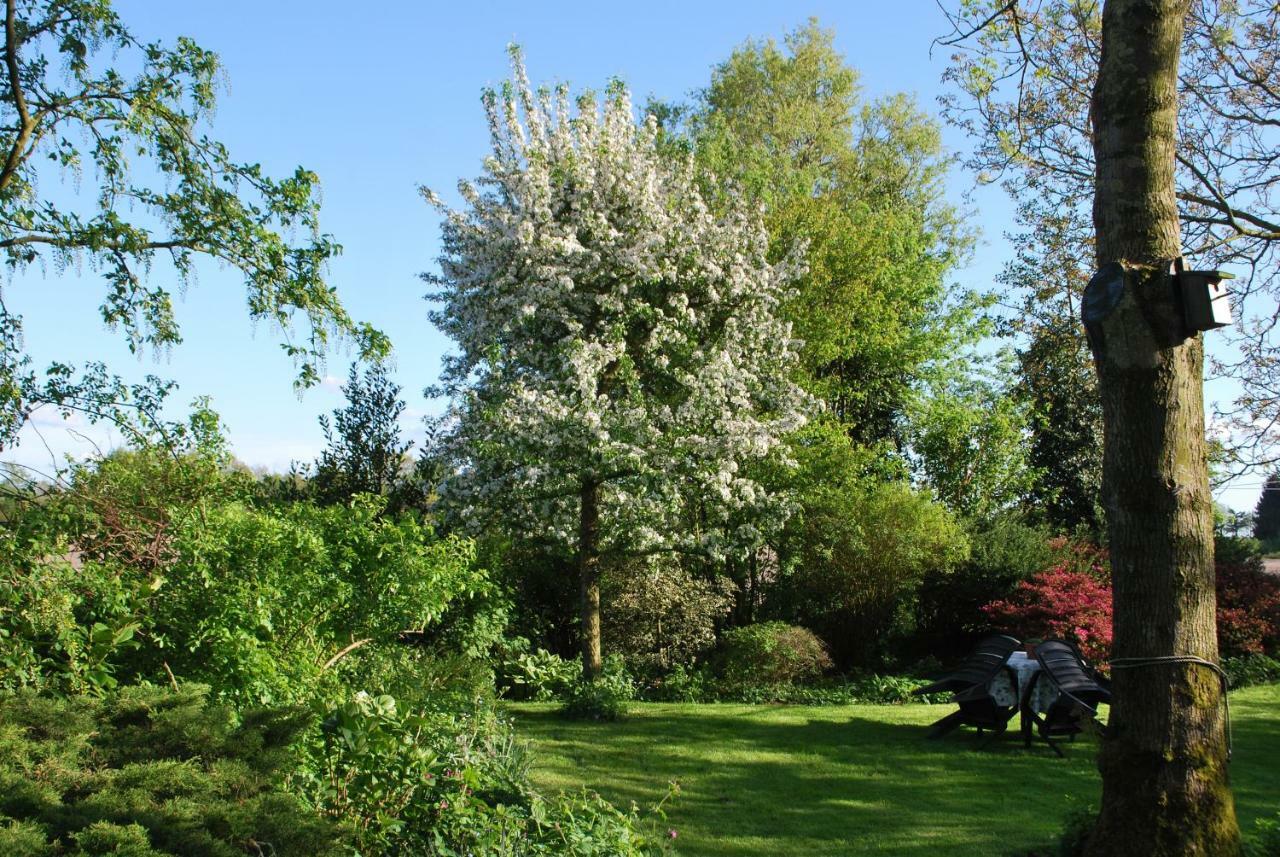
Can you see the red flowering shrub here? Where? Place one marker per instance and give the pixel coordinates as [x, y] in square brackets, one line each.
[1069, 602]
[1062, 602]
[1248, 609]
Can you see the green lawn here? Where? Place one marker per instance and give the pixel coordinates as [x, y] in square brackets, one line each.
[782, 780]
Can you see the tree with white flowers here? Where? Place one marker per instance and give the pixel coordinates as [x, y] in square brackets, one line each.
[620, 353]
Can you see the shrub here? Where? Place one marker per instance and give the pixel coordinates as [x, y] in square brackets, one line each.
[1248, 609]
[660, 615]
[1061, 602]
[149, 771]
[114, 582]
[1249, 670]
[391, 774]
[1235, 550]
[538, 675]
[64, 625]
[260, 600]
[1003, 553]
[453, 783]
[683, 684]
[772, 653]
[855, 557]
[603, 698]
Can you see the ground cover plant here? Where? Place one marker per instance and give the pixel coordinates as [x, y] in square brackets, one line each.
[795, 780]
[149, 773]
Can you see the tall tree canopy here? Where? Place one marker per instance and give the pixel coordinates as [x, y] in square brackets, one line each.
[862, 183]
[1056, 381]
[1078, 106]
[82, 96]
[620, 349]
[1022, 94]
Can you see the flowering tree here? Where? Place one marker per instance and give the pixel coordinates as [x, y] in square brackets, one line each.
[619, 348]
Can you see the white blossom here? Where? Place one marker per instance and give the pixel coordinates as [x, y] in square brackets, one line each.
[609, 326]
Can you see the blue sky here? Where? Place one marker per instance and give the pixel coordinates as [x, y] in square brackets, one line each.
[381, 98]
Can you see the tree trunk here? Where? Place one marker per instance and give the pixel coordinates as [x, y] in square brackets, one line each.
[589, 577]
[1164, 758]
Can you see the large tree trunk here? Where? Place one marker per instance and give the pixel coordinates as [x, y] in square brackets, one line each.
[589, 576]
[1164, 759]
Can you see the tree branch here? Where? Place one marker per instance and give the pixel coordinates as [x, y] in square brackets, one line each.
[72, 243]
[14, 158]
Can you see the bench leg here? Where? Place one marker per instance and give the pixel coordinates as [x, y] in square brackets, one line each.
[946, 725]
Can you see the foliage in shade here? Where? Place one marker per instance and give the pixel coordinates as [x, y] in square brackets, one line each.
[856, 556]
[604, 697]
[660, 614]
[1003, 551]
[1266, 515]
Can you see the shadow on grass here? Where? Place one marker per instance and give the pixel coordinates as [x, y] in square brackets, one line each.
[820, 781]
[783, 780]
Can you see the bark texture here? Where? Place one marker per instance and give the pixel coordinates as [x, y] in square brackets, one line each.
[589, 577]
[1164, 760]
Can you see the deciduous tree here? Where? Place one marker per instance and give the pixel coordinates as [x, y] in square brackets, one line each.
[1164, 757]
[1023, 96]
[861, 181]
[620, 351]
[81, 96]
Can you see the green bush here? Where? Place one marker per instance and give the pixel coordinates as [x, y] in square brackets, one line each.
[1003, 552]
[64, 626]
[258, 601]
[683, 684]
[659, 614]
[772, 653]
[148, 771]
[854, 559]
[453, 784]
[603, 698]
[174, 571]
[1249, 670]
[1235, 550]
[539, 675]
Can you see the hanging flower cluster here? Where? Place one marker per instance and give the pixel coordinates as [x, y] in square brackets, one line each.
[609, 327]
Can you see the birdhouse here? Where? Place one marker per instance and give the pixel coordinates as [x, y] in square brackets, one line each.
[1205, 300]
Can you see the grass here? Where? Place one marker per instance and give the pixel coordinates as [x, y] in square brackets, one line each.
[793, 780]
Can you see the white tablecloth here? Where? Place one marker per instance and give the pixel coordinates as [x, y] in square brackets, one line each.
[1004, 693]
